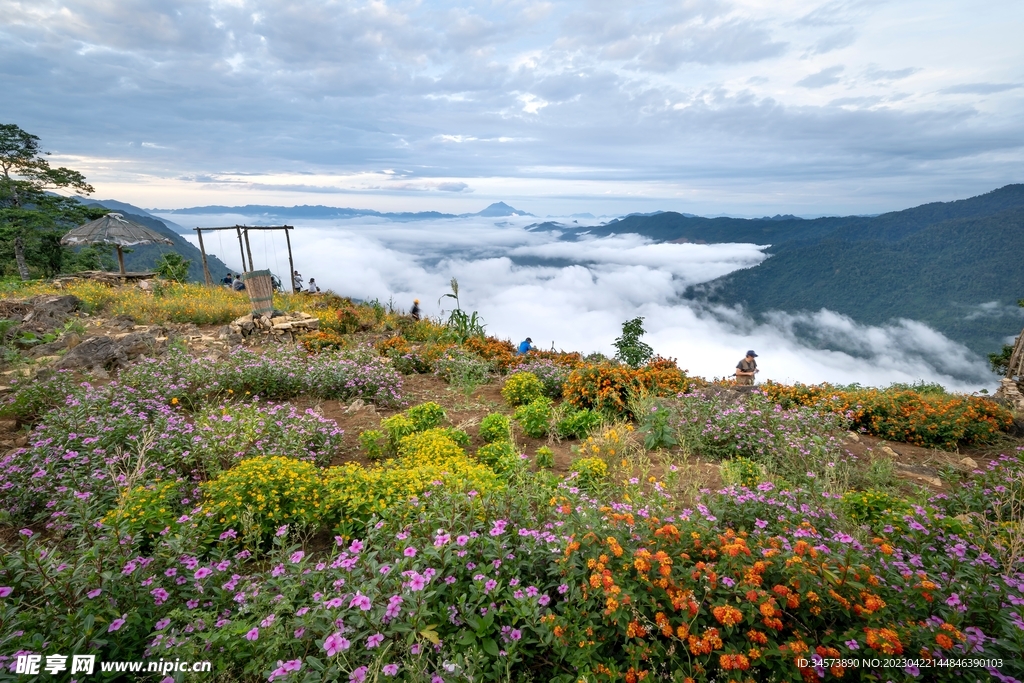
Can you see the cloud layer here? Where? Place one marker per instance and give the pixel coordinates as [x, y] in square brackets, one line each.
[575, 296]
[707, 106]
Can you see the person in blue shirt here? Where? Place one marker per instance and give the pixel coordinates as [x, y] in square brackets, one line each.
[525, 346]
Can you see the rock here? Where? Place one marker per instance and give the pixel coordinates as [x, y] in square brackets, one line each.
[47, 349]
[890, 452]
[47, 359]
[241, 321]
[283, 326]
[8, 425]
[233, 339]
[21, 441]
[853, 436]
[968, 464]
[108, 352]
[355, 406]
[72, 340]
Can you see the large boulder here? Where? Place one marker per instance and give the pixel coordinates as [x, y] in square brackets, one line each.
[110, 352]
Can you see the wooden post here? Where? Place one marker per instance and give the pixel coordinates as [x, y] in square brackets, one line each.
[291, 264]
[248, 250]
[202, 250]
[241, 250]
[120, 258]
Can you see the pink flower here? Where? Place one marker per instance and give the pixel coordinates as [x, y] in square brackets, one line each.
[356, 547]
[410, 552]
[436, 679]
[462, 540]
[281, 531]
[299, 632]
[162, 624]
[268, 621]
[374, 640]
[253, 634]
[91, 594]
[390, 669]
[115, 625]
[160, 595]
[417, 582]
[203, 572]
[27, 533]
[302, 610]
[7, 590]
[358, 676]
[335, 643]
[297, 557]
[361, 601]
[230, 533]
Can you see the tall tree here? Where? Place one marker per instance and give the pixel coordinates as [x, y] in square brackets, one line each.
[29, 210]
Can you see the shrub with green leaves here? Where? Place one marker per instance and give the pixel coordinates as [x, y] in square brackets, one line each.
[742, 472]
[535, 417]
[874, 508]
[33, 397]
[501, 456]
[545, 457]
[522, 388]
[629, 348]
[658, 427]
[591, 473]
[463, 369]
[496, 427]
[578, 424]
[374, 443]
[459, 436]
[426, 416]
[397, 427]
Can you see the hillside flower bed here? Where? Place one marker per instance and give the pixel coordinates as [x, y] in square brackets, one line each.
[608, 388]
[903, 414]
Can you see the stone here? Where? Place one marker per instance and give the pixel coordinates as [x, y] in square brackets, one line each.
[47, 349]
[72, 340]
[968, 464]
[890, 452]
[241, 321]
[47, 359]
[8, 425]
[283, 326]
[21, 441]
[355, 406]
[853, 436]
[108, 352]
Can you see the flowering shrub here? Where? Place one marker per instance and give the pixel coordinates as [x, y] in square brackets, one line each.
[403, 356]
[591, 473]
[149, 510]
[30, 399]
[426, 416]
[545, 457]
[535, 417]
[462, 368]
[397, 427]
[374, 443]
[500, 352]
[522, 388]
[610, 443]
[265, 493]
[874, 508]
[501, 456]
[495, 427]
[742, 472]
[904, 413]
[607, 388]
[321, 340]
[552, 374]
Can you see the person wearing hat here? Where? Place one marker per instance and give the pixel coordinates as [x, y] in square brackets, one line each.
[746, 369]
[415, 312]
[524, 346]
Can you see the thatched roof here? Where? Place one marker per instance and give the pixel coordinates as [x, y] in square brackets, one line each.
[113, 229]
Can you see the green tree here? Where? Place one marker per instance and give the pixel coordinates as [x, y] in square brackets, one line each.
[31, 215]
[629, 348]
[173, 266]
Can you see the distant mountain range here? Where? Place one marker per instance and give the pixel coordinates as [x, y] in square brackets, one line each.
[496, 210]
[956, 266]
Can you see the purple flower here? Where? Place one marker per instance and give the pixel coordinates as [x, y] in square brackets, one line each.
[760, 523]
[390, 669]
[853, 644]
[91, 594]
[516, 634]
[436, 679]
[281, 531]
[490, 585]
[266, 623]
[563, 589]
[358, 676]
[253, 634]
[356, 547]
[953, 600]
[297, 557]
[374, 640]
[203, 572]
[27, 533]
[462, 540]
[299, 632]
[116, 624]
[230, 533]
[410, 552]
[160, 595]
[335, 643]
[7, 590]
[162, 624]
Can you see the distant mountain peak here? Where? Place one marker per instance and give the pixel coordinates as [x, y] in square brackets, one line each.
[500, 209]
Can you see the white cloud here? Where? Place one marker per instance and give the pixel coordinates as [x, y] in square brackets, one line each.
[576, 294]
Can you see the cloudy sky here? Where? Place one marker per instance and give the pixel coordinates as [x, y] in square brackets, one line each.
[574, 295]
[745, 107]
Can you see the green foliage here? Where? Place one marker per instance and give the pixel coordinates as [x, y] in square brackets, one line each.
[496, 427]
[545, 458]
[629, 348]
[397, 427]
[148, 510]
[31, 398]
[657, 427]
[535, 417]
[522, 388]
[173, 266]
[1000, 362]
[462, 369]
[500, 456]
[874, 508]
[459, 436]
[426, 416]
[462, 326]
[591, 473]
[577, 424]
[742, 472]
[374, 443]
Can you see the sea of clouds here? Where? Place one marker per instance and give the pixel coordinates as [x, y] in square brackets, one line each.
[574, 294]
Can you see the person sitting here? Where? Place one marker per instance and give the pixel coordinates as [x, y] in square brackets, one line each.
[525, 346]
[415, 312]
[746, 369]
[237, 284]
[227, 280]
[313, 289]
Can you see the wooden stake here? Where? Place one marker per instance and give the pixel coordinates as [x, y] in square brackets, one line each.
[291, 264]
[238, 230]
[247, 249]
[202, 250]
[120, 258]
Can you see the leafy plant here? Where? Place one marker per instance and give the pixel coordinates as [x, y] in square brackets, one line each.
[545, 457]
[578, 424]
[629, 348]
[495, 427]
[426, 416]
[522, 388]
[742, 472]
[374, 443]
[462, 369]
[657, 428]
[535, 417]
[591, 473]
[173, 266]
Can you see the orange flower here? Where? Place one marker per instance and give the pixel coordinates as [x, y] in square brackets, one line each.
[727, 616]
[635, 630]
[944, 641]
[757, 637]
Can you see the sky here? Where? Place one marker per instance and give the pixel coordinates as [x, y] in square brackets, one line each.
[745, 107]
[575, 295]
